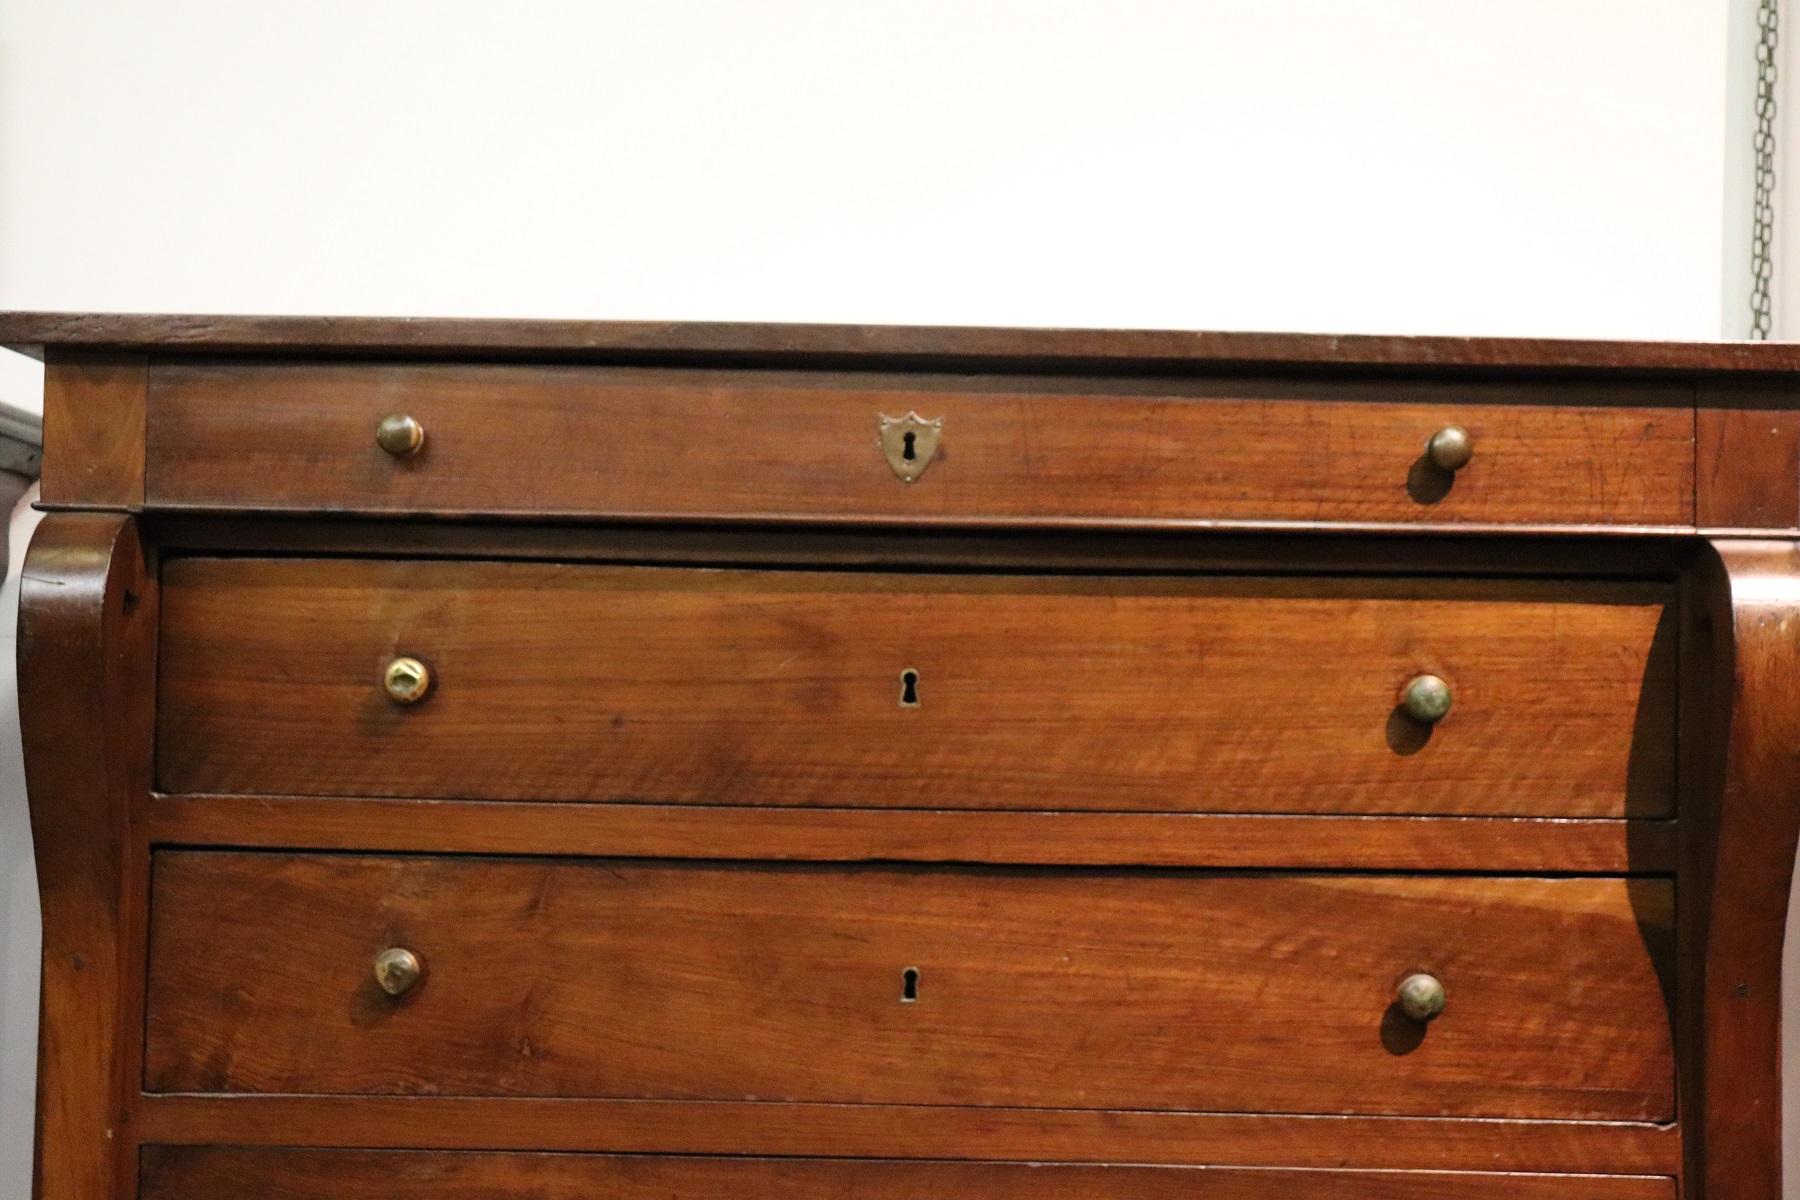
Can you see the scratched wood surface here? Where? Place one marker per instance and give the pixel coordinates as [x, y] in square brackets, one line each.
[94, 430]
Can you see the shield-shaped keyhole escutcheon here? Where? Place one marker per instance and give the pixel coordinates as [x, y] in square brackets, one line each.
[909, 444]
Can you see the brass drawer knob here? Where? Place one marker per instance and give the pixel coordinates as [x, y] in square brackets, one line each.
[1425, 698]
[406, 680]
[1450, 448]
[398, 970]
[1421, 997]
[400, 435]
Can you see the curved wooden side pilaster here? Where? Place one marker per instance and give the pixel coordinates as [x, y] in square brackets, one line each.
[86, 648]
[1740, 822]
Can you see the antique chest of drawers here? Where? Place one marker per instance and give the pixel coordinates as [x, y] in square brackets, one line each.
[518, 759]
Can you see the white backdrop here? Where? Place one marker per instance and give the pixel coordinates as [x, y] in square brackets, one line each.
[1460, 166]
[1478, 166]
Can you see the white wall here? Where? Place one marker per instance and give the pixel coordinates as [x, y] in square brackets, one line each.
[1787, 188]
[1474, 166]
[1481, 166]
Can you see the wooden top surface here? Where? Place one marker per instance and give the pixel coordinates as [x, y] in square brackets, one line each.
[733, 343]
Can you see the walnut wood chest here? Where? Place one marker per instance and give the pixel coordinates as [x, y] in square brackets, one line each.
[506, 760]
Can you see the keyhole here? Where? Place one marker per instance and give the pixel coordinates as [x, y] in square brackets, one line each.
[909, 688]
[909, 986]
[906, 447]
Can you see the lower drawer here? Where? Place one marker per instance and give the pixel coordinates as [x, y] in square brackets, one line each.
[1083, 989]
[171, 1173]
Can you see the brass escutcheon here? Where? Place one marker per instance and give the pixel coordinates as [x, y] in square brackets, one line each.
[909, 443]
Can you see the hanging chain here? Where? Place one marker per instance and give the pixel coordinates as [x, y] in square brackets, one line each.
[1762, 224]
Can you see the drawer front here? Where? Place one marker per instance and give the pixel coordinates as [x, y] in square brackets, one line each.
[679, 444]
[884, 984]
[903, 690]
[205, 1173]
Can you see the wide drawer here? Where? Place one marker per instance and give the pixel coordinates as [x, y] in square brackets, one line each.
[206, 1173]
[913, 690]
[546, 440]
[909, 985]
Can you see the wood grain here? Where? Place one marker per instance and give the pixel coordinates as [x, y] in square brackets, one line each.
[914, 1131]
[742, 445]
[775, 982]
[1738, 868]
[1747, 459]
[218, 1174]
[784, 688]
[94, 430]
[1494, 844]
[1153, 836]
[891, 345]
[87, 621]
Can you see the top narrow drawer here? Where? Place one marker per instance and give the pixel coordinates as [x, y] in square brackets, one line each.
[589, 441]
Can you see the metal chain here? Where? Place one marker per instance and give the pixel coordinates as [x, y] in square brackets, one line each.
[1762, 224]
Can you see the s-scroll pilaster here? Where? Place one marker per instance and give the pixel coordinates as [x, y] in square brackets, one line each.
[87, 622]
[1740, 821]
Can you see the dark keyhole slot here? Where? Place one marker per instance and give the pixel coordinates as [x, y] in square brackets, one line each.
[909, 985]
[909, 689]
[907, 450]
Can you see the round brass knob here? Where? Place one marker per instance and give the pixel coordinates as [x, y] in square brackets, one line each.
[399, 434]
[1450, 448]
[1421, 997]
[406, 680]
[398, 970]
[1425, 698]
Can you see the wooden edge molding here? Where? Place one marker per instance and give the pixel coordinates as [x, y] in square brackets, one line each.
[1497, 845]
[1740, 824]
[95, 404]
[911, 1131]
[87, 622]
[814, 344]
